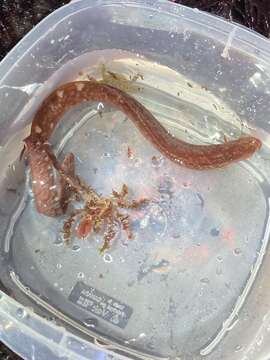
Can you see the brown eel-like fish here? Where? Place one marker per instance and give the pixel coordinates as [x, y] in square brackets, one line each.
[49, 196]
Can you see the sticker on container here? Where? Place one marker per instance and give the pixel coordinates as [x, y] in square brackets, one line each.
[100, 304]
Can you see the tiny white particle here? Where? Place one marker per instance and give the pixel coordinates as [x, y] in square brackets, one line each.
[60, 93]
[38, 129]
[79, 87]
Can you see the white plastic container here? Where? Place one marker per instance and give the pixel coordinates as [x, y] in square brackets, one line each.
[194, 283]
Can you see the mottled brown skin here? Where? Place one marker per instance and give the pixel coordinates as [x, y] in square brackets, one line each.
[49, 201]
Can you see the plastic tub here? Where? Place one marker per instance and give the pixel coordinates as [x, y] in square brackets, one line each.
[194, 281]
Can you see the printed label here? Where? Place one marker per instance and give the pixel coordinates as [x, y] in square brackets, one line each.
[100, 304]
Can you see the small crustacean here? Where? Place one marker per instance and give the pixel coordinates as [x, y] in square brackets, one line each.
[102, 212]
[99, 213]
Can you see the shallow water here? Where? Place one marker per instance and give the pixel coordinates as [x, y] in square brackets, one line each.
[176, 287]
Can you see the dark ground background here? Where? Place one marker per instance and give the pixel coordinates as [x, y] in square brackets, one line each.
[17, 17]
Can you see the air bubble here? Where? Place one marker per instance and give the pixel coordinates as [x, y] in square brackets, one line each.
[59, 266]
[237, 251]
[91, 322]
[259, 340]
[157, 161]
[76, 248]
[59, 241]
[107, 258]
[107, 154]
[238, 348]
[205, 280]
[100, 106]
[21, 313]
[80, 275]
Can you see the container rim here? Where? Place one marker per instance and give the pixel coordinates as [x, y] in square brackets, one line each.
[248, 41]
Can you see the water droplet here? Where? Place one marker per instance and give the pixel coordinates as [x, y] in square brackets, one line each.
[21, 313]
[91, 322]
[55, 284]
[52, 41]
[107, 258]
[100, 106]
[106, 154]
[218, 271]
[237, 252]
[172, 36]
[59, 266]
[219, 258]
[204, 280]
[130, 283]
[59, 241]
[214, 232]
[157, 161]
[259, 340]
[80, 275]
[138, 162]
[76, 248]
[238, 348]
